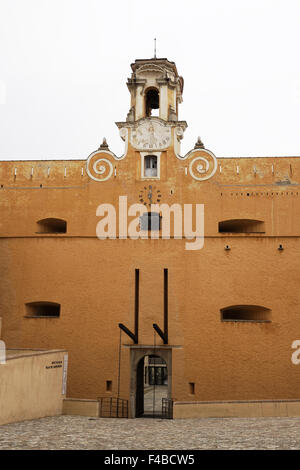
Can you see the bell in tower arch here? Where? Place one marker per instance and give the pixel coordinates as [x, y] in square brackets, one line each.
[152, 102]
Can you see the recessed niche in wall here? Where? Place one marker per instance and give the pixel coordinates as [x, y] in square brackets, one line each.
[51, 225]
[241, 226]
[250, 313]
[108, 385]
[42, 309]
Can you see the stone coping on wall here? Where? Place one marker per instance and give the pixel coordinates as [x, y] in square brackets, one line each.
[16, 353]
[93, 400]
[234, 401]
[152, 346]
[237, 409]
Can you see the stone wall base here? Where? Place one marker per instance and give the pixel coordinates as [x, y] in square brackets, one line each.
[236, 409]
[218, 409]
[81, 407]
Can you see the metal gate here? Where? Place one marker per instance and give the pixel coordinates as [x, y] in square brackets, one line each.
[167, 408]
[110, 407]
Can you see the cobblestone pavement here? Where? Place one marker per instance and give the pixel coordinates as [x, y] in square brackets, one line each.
[77, 432]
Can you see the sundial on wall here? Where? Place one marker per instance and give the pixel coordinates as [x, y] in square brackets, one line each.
[150, 135]
[149, 195]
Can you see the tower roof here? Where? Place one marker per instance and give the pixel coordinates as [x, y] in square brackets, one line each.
[163, 63]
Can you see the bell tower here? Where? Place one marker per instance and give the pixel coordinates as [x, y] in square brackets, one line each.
[152, 131]
[152, 124]
[155, 88]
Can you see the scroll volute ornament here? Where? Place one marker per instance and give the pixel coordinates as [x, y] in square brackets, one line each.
[202, 164]
[98, 165]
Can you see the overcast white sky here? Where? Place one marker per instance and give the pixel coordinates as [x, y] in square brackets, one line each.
[64, 65]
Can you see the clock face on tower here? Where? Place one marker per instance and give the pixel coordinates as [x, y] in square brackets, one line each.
[149, 195]
[151, 135]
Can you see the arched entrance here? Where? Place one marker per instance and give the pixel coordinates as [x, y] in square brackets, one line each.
[152, 102]
[151, 386]
[150, 381]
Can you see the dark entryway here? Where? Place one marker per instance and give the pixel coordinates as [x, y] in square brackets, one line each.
[151, 386]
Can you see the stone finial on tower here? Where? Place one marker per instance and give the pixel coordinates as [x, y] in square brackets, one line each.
[104, 145]
[199, 144]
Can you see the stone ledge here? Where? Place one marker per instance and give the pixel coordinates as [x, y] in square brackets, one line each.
[81, 407]
[237, 409]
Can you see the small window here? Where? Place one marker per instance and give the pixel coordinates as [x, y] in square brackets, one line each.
[192, 388]
[250, 313]
[150, 221]
[51, 226]
[150, 170]
[109, 385]
[42, 309]
[241, 226]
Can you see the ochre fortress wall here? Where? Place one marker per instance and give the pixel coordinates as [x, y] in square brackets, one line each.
[93, 280]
